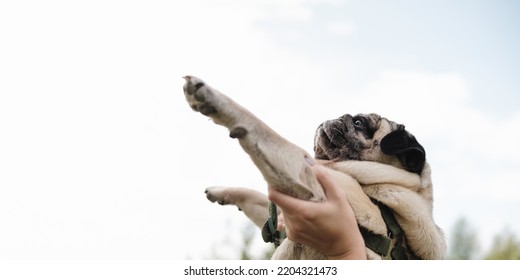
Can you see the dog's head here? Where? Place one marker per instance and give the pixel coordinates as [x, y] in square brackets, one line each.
[369, 137]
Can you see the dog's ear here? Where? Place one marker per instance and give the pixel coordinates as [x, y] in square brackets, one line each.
[404, 146]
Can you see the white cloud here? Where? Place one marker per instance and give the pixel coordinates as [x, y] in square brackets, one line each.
[341, 28]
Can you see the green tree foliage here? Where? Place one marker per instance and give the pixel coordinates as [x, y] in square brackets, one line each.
[243, 247]
[463, 241]
[249, 233]
[464, 244]
[506, 246]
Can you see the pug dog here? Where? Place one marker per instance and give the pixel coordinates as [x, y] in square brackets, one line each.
[380, 165]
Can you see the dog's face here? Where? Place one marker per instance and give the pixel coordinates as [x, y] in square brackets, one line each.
[368, 137]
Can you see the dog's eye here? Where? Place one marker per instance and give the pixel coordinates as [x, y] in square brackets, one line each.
[359, 124]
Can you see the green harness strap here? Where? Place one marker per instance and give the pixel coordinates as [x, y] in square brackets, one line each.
[378, 243]
[398, 249]
[270, 233]
[389, 247]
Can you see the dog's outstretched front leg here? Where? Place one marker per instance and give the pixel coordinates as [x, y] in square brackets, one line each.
[282, 163]
[254, 204]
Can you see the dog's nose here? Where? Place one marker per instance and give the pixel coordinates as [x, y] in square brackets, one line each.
[325, 125]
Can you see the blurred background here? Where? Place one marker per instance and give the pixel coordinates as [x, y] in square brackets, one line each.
[101, 157]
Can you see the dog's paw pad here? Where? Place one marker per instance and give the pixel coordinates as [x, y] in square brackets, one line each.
[206, 110]
[198, 85]
[218, 195]
[238, 132]
[197, 95]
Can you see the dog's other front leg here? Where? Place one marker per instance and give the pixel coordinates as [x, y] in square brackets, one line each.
[282, 163]
[254, 204]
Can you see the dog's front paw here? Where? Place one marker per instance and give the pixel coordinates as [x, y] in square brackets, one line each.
[220, 195]
[198, 95]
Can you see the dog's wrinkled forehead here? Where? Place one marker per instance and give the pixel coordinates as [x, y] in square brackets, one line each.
[371, 125]
[347, 136]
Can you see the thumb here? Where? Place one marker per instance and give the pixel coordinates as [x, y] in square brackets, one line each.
[284, 201]
[332, 190]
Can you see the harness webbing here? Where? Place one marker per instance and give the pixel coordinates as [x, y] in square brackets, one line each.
[398, 251]
[270, 233]
[378, 243]
[389, 247]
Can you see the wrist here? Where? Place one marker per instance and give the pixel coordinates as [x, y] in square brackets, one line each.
[358, 253]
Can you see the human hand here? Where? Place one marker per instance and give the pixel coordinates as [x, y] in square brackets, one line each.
[329, 227]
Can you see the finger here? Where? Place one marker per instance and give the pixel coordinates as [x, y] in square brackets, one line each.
[286, 202]
[281, 222]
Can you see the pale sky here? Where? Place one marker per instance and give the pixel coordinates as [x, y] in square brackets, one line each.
[102, 158]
